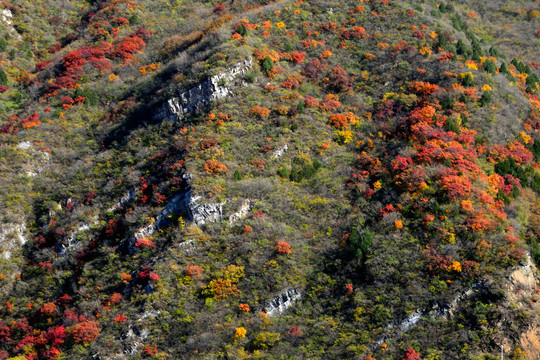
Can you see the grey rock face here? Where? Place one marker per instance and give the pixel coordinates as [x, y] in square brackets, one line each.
[283, 301]
[200, 96]
[203, 213]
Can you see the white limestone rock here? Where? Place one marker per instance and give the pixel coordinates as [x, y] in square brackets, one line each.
[279, 152]
[283, 301]
[11, 238]
[242, 212]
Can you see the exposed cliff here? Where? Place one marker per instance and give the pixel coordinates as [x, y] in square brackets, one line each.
[200, 96]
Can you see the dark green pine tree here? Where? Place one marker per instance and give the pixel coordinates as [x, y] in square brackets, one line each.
[267, 64]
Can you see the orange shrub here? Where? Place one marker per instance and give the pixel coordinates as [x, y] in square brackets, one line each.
[147, 69]
[260, 55]
[284, 247]
[193, 270]
[243, 307]
[48, 309]
[467, 205]
[259, 111]
[126, 278]
[339, 121]
[298, 57]
[214, 167]
[221, 289]
[116, 298]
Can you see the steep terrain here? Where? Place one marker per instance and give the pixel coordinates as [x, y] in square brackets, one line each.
[269, 180]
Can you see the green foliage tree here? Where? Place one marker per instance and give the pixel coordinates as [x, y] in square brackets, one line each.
[536, 150]
[490, 67]
[532, 82]
[535, 185]
[493, 51]
[3, 78]
[3, 44]
[467, 80]
[458, 23]
[241, 29]
[442, 8]
[461, 48]
[237, 175]
[509, 166]
[486, 98]
[90, 95]
[360, 243]
[443, 42]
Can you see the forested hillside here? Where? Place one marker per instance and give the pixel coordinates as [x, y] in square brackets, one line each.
[185, 179]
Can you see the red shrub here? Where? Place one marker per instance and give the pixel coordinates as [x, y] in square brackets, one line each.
[298, 57]
[55, 336]
[120, 318]
[193, 270]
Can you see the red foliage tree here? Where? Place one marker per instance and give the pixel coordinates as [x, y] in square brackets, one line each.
[193, 270]
[85, 331]
[313, 70]
[339, 80]
[411, 355]
[56, 336]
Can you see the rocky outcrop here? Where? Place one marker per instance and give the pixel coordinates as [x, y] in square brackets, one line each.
[7, 17]
[182, 203]
[202, 213]
[179, 204]
[200, 96]
[394, 330]
[11, 238]
[283, 301]
[39, 160]
[70, 243]
[242, 212]
[522, 291]
[279, 152]
[124, 200]
[188, 247]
